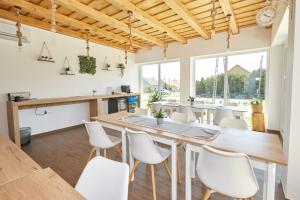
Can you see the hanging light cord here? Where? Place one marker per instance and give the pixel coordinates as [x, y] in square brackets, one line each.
[53, 21]
[18, 25]
[87, 43]
[213, 16]
[165, 45]
[130, 27]
[228, 31]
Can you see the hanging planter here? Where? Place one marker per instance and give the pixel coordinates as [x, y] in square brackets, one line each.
[121, 67]
[67, 70]
[106, 65]
[87, 63]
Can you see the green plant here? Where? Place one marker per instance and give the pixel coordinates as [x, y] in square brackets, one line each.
[154, 96]
[159, 114]
[256, 102]
[121, 66]
[191, 99]
[87, 65]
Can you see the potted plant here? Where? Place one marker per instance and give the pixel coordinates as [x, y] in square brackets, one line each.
[191, 100]
[159, 115]
[256, 106]
[154, 96]
[121, 66]
[68, 70]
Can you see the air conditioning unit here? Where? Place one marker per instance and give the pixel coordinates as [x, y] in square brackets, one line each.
[8, 32]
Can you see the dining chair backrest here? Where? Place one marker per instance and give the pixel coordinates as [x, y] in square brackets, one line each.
[97, 135]
[188, 110]
[140, 111]
[234, 123]
[99, 177]
[142, 147]
[179, 117]
[230, 174]
[220, 114]
[231, 104]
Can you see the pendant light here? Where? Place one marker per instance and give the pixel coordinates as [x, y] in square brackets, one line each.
[213, 17]
[165, 46]
[228, 31]
[18, 25]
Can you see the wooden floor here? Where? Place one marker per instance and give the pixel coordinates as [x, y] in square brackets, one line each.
[66, 153]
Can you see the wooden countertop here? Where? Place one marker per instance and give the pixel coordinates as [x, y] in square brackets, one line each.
[14, 163]
[71, 99]
[257, 145]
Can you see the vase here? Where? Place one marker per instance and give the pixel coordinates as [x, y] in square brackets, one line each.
[257, 108]
[159, 121]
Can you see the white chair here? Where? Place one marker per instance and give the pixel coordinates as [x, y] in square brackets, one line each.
[188, 111]
[99, 177]
[179, 117]
[230, 174]
[141, 111]
[220, 114]
[100, 140]
[143, 149]
[234, 123]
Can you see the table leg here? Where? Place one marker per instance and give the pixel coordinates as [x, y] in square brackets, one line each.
[131, 162]
[193, 164]
[208, 116]
[174, 170]
[124, 156]
[269, 182]
[188, 181]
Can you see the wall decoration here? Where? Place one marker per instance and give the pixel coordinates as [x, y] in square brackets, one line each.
[67, 70]
[121, 67]
[87, 63]
[106, 65]
[45, 57]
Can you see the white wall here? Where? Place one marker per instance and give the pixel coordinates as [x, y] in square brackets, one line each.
[291, 126]
[20, 71]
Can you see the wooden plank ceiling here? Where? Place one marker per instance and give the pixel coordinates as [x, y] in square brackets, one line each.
[107, 20]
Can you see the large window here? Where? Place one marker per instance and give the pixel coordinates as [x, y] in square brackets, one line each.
[234, 78]
[162, 76]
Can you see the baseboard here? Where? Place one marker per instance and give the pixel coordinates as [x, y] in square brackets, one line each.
[57, 131]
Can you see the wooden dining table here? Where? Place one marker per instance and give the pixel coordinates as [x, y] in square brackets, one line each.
[264, 149]
[21, 178]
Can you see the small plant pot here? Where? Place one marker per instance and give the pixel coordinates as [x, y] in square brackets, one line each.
[257, 108]
[159, 121]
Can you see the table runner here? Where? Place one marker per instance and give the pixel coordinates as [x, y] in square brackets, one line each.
[173, 127]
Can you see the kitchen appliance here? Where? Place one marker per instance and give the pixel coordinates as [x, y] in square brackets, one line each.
[125, 88]
[18, 96]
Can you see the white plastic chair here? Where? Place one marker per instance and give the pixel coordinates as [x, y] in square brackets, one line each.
[179, 117]
[234, 123]
[104, 179]
[99, 139]
[230, 174]
[143, 149]
[140, 111]
[188, 111]
[220, 114]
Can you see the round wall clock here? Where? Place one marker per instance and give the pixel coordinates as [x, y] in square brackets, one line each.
[266, 16]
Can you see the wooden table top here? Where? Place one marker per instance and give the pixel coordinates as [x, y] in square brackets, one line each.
[260, 146]
[14, 163]
[43, 184]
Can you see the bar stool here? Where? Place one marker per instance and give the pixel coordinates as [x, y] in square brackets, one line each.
[230, 174]
[100, 140]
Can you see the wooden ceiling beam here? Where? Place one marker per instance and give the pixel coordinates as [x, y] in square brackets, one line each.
[46, 13]
[64, 31]
[85, 10]
[138, 13]
[178, 7]
[228, 10]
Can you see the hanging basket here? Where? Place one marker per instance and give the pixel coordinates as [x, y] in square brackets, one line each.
[67, 70]
[45, 56]
[106, 65]
[87, 65]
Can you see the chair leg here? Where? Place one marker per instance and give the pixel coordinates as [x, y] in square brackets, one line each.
[178, 169]
[104, 153]
[136, 162]
[153, 181]
[168, 169]
[119, 152]
[91, 154]
[206, 194]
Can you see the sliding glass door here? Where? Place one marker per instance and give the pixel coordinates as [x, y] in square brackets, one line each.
[161, 76]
